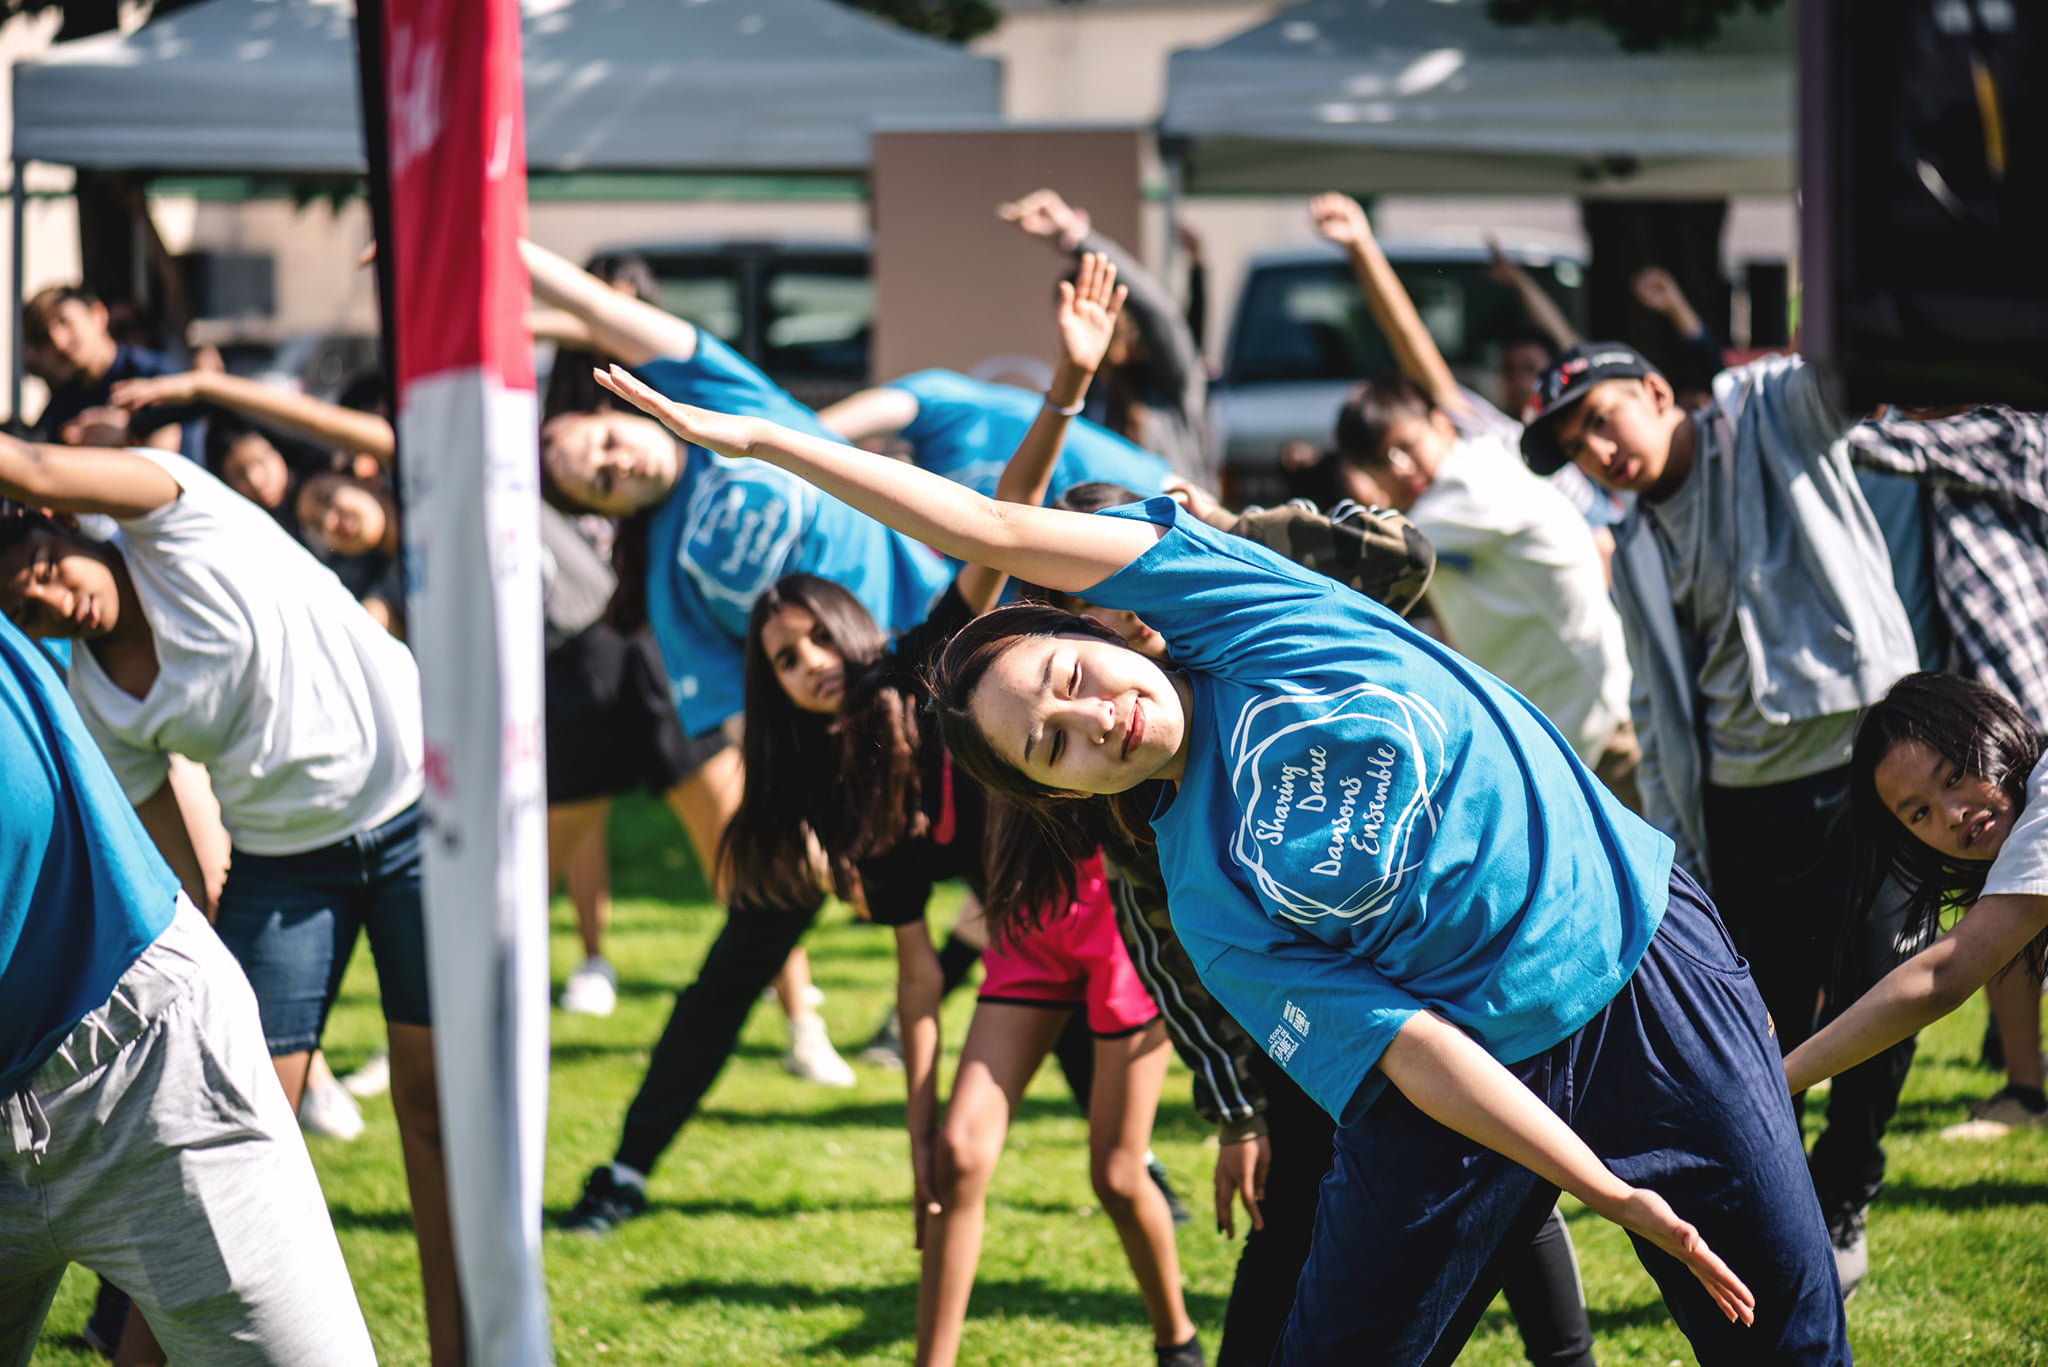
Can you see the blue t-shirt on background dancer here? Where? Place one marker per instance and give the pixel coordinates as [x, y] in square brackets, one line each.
[733, 528]
[83, 890]
[1329, 738]
[966, 430]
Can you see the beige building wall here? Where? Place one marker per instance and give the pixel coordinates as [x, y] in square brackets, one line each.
[1104, 61]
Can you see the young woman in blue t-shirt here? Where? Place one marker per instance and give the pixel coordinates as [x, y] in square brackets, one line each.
[842, 757]
[1390, 869]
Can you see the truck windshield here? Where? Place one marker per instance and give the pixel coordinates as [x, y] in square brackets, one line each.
[1308, 321]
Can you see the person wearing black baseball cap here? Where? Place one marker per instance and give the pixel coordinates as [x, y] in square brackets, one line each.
[1757, 593]
[1628, 440]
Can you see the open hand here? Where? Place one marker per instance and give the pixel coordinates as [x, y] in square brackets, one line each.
[158, 389]
[1241, 1176]
[1340, 219]
[1042, 213]
[1088, 309]
[720, 432]
[1646, 1213]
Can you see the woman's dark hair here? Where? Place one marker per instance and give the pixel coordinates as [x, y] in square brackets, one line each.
[1969, 725]
[1037, 836]
[851, 780]
[18, 522]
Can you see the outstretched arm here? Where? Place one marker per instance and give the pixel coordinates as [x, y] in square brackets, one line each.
[83, 479]
[1458, 1084]
[1087, 318]
[619, 325]
[920, 986]
[1070, 552]
[344, 429]
[1340, 219]
[1541, 308]
[1923, 989]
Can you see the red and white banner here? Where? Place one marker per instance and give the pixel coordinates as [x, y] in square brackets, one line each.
[456, 161]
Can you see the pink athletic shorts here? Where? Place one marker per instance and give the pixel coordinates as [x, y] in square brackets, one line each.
[1075, 958]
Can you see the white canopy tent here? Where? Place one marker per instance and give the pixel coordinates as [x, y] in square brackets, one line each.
[244, 86]
[1422, 96]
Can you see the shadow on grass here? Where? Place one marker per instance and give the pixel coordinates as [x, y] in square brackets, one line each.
[1968, 1196]
[888, 1314]
[383, 1221]
[888, 1114]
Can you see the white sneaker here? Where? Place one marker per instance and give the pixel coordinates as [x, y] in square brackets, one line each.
[592, 989]
[811, 1055]
[328, 1110]
[372, 1079]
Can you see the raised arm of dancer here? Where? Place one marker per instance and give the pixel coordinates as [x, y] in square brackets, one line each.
[300, 415]
[1923, 989]
[1541, 308]
[83, 479]
[619, 324]
[1459, 1085]
[877, 412]
[1340, 219]
[1071, 552]
[920, 987]
[1087, 319]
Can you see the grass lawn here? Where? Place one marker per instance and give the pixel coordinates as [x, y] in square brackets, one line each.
[781, 1227]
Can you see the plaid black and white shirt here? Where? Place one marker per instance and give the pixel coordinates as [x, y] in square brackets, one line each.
[1986, 473]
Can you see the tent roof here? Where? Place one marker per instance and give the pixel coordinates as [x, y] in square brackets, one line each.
[1431, 95]
[611, 85]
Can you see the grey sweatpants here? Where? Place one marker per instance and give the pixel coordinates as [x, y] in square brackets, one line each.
[157, 1149]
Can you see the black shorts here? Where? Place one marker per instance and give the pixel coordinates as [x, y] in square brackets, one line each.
[611, 727]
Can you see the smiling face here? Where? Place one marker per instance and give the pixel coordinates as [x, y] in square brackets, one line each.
[80, 347]
[1081, 715]
[611, 463]
[807, 662]
[1946, 807]
[348, 517]
[53, 587]
[1619, 435]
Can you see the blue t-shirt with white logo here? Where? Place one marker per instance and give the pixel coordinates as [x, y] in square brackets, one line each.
[732, 528]
[1369, 824]
[966, 430]
[82, 889]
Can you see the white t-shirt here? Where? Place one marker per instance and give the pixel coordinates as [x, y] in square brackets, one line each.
[2022, 863]
[304, 711]
[1521, 592]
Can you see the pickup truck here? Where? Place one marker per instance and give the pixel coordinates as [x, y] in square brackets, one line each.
[1302, 336]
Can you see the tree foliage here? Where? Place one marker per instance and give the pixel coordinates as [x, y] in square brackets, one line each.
[955, 21]
[1640, 25]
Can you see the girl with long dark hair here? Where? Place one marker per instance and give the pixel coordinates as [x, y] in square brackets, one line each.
[842, 760]
[1400, 879]
[1946, 786]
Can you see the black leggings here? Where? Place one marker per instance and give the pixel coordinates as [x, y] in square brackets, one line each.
[1784, 859]
[1541, 1281]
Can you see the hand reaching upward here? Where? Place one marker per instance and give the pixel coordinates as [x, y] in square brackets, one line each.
[1088, 310]
[1043, 213]
[1340, 219]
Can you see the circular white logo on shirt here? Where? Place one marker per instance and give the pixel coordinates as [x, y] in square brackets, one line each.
[1335, 797]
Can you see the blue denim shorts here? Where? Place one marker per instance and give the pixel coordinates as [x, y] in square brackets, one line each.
[292, 921]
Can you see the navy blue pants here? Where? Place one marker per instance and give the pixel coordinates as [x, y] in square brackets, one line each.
[1677, 1086]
